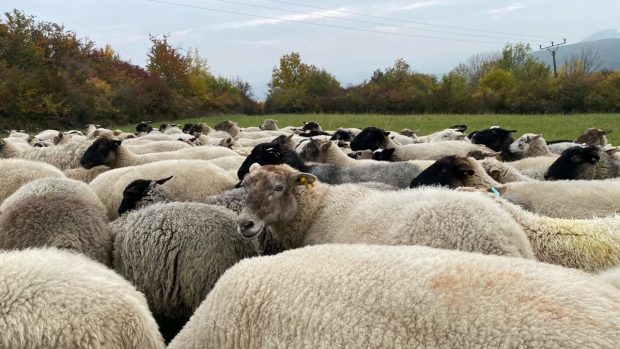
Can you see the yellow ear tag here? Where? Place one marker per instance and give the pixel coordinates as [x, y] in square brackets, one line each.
[305, 182]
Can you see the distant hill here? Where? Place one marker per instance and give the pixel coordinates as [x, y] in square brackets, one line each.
[608, 51]
[603, 34]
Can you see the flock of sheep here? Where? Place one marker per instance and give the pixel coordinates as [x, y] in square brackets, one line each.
[298, 237]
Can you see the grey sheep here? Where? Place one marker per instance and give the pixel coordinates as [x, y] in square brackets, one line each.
[175, 252]
[57, 219]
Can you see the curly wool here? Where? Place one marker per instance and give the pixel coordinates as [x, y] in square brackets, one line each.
[359, 296]
[592, 245]
[57, 219]
[56, 299]
[84, 175]
[175, 252]
[64, 156]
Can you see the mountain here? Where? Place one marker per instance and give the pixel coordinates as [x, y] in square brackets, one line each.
[603, 34]
[608, 51]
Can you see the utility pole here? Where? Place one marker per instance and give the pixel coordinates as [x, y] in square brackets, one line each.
[553, 48]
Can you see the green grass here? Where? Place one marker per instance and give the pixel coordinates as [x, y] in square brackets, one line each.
[551, 126]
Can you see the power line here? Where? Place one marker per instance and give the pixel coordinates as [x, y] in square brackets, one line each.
[322, 24]
[553, 49]
[364, 21]
[408, 21]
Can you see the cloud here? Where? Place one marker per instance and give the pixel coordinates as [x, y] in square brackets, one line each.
[257, 42]
[417, 5]
[323, 14]
[515, 6]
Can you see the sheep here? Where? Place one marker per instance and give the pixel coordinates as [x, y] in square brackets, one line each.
[58, 219]
[84, 175]
[586, 199]
[174, 253]
[611, 276]
[496, 138]
[453, 172]
[594, 137]
[433, 151]
[16, 172]
[591, 245]
[448, 134]
[579, 162]
[269, 125]
[230, 127]
[112, 153]
[144, 128]
[158, 147]
[20, 145]
[193, 180]
[21, 134]
[326, 152]
[63, 156]
[360, 296]
[58, 299]
[342, 135]
[409, 133]
[372, 138]
[299, 212]
[47, 135]
[530, 145]
[53, 185]
[535, 167]
[397, 174]
[229, 163]
[400, 139]
[361, 155]
[503, 172]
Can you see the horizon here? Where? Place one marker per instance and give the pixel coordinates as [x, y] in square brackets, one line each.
[249, 47]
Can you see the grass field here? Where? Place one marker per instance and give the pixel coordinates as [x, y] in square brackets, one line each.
[551, 126]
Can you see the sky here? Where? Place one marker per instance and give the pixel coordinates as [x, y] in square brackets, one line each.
[348, 38]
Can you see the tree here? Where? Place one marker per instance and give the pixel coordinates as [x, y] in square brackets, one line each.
[168, 63]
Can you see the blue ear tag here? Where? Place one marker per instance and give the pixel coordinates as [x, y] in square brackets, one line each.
[495, 191]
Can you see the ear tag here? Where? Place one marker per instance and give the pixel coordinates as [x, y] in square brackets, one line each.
[305, 182]
[495, 191]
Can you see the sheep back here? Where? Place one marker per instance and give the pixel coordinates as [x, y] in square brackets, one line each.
[60, 220]
[16, 172]
[341, 296]
[57, 299]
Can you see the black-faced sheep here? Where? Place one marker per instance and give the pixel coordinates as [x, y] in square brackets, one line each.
[579, 162]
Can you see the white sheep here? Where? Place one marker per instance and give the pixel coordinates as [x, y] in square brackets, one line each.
[534, 167]
[360, 296]
[158, 147]
[63, 156]
[503, 172]
[299, 212]
[112, 153]
[53, 185]
[530, 145]
[85, 175]
[448, 134]
[434, 151]
[592, 245]
[16, 172]
[57, 299]
[192, 181]
[612, 276]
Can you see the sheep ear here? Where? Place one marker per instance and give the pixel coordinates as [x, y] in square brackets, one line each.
[115, 143]
[255, 166]
[301, 178]
[326, 145]
[612, 150]
[163, 180]
[535, 137]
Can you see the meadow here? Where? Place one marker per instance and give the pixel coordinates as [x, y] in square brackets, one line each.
[552, 126]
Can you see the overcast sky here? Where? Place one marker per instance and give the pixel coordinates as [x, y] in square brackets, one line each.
[249, 47]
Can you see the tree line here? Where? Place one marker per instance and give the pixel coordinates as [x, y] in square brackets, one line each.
[510, 81]
[51, 78]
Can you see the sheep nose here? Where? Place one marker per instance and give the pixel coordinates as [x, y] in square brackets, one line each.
[245, 225]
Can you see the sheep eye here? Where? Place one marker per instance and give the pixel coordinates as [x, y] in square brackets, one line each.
[279, 187]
